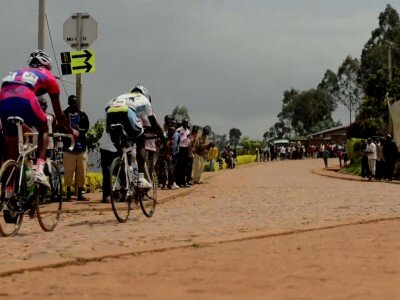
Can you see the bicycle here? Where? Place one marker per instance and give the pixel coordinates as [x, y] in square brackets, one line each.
[125, 183]
[18, 193]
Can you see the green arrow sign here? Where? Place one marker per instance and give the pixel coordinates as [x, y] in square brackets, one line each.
[78, 62]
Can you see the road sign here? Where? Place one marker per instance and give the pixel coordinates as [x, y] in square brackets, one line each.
[80, 24]
[78, 62]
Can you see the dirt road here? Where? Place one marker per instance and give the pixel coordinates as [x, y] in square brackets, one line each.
[264, 231]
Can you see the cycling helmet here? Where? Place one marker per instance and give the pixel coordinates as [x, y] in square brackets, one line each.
[39, 58]
[141, 89]
[43, 103]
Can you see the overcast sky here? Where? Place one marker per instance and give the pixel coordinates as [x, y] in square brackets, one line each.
[228, 61]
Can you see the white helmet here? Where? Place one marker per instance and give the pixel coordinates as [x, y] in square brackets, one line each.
[141, 89]
[39, 58]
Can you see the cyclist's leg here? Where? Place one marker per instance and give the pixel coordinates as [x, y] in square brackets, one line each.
[38, 119]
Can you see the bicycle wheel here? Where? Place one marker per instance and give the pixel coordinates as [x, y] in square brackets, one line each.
[11, 214]
[148, 200]
[120, 199]
[48, 201]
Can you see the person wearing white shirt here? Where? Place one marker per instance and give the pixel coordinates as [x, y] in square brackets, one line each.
[371, 152]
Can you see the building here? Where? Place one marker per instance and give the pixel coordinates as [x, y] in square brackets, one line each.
[336, 135]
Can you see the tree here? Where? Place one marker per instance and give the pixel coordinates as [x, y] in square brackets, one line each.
[310, 109]
[220, 141]
[234, 136]
[94, 134]
[349, 90]
[249, 146]
[180, 112]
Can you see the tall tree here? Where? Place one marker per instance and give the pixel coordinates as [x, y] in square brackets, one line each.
[309, 109]
[374, 64]
[180, 112]
[234, 136]
[349, 90]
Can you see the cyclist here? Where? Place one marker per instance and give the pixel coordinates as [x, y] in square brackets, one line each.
[18, 98]
[130, 110]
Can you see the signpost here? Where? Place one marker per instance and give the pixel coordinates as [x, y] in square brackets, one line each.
[78, 62]
[79, 31]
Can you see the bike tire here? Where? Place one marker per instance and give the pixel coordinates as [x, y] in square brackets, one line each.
[148, 199]
[120, 199]
[48, 201]
[10, 220]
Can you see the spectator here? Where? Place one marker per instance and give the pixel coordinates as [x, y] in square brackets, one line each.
[390, 153]
[75, 161]
[340, 155]
[193, 137]
[227, 156]
[201, 146]
[325, 155]
[108, 153]
[212, 156]
[183, 154]
[371, 153]
[379, 159]
[165, 160]
[365, 173]
[282, 152]
[170, 122]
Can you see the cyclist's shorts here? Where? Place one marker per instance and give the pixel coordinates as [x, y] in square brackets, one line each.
[128, 119]
[16, 101]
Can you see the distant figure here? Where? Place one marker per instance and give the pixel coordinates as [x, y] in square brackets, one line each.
[390, 153]
[325, 155]
[212, 156]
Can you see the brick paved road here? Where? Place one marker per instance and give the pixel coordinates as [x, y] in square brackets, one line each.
[253, 200]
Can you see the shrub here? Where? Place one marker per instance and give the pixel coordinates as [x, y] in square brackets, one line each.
[354, 148]
[94, 181]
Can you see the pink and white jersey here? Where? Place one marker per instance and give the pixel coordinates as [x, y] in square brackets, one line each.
[38, 80]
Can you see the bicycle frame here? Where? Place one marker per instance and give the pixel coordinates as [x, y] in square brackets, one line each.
[24, 150]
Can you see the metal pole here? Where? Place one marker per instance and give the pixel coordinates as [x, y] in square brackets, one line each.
[78, 47]
[41, 24]
[390, 61]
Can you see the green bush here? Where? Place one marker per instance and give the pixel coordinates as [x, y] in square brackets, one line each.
[354, 148]
[355, 167]
[245, 159]
[94, 181]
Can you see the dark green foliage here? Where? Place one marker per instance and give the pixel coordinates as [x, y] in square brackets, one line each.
[94, 134]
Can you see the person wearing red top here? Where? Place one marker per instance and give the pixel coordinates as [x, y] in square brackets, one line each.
[18, 97]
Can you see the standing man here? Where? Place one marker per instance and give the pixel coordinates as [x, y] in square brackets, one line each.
[183, 154]
[108, 153]
[212, 156]
[390, 153]
[371, 152]
[75, 161]
[201, 146]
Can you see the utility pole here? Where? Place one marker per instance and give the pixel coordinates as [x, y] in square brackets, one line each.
[390, 60]
[41, 24]
[78, 48]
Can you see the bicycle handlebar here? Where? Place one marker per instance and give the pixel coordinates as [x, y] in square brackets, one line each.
[70, 136]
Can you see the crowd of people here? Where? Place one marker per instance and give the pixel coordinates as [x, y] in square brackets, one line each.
[177, 153]
[378, 158]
